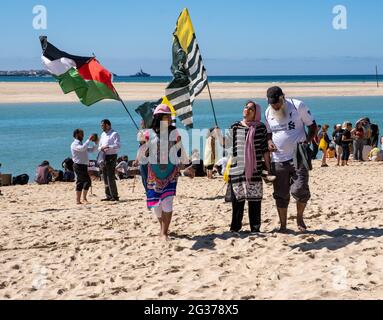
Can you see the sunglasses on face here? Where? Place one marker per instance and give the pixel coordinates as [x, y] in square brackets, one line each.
[249, 108]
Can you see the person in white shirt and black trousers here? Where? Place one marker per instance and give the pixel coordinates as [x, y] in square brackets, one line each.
[109, 144]
[80, 159]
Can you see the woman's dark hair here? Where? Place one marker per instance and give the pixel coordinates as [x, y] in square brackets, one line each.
[156, 123]
[44, 163]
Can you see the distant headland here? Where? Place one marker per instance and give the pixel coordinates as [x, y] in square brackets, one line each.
[25, 73]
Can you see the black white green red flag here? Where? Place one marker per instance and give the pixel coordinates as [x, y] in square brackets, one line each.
[84, 75]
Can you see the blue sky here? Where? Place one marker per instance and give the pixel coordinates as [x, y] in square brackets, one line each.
[243, 37]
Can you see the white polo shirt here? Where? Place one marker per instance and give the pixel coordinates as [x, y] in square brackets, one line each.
[289, 131]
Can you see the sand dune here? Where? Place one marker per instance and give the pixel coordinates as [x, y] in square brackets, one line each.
[40, 92]
[53, 249]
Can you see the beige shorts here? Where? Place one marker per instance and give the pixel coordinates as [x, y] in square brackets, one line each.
[165, 205]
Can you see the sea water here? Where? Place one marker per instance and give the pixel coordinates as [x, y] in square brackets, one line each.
[224, 79]
[31, 133]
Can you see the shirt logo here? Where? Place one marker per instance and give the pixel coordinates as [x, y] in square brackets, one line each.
[291, 125]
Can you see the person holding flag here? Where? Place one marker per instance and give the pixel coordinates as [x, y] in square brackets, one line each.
[165, 157]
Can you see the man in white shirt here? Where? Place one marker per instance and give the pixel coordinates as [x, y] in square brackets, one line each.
[285, 120]
[80, 159]
[109, 144]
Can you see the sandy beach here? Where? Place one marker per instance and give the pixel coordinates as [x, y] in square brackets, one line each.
[51, 248]
[39, 92]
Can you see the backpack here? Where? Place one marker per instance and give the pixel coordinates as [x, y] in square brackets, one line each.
[68, 176]
[21, 179]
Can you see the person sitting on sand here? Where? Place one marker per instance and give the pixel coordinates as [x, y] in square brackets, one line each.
[122, 167]
[195, 168]
[45, 173]
[248, 139]
[286, 120]
[331, 152]
[375, 154]
[163, 167]
[220, 166]
[80, 159]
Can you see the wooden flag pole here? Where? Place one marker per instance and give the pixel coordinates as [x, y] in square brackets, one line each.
[211, 102]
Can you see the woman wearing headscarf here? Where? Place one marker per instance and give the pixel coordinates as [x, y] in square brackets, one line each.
[248, 139]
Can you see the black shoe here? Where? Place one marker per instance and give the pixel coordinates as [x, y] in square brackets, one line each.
[115, 199]
[255, 229]
[106, 199]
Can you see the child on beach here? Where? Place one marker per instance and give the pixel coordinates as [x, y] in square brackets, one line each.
[163, 167]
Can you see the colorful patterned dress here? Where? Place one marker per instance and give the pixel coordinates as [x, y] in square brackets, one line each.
[162, 178]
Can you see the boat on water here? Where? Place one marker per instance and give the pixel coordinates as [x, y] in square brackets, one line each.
[141, 73]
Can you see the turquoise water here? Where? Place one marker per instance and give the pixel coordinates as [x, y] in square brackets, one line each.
[31, 133]
[240, 79]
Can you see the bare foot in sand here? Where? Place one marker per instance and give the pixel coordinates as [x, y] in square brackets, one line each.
[86, 201]
[301, 226]
[79, 202]
[282, 230]
[164, 237]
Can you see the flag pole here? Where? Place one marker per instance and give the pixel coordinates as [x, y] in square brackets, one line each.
[211, 102]
[134, 122]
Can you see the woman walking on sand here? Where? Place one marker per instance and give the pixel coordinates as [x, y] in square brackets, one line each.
[163, 167]
[248, 139]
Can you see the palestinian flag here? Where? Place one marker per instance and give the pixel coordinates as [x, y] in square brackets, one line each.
[84, 75]
[189, 73]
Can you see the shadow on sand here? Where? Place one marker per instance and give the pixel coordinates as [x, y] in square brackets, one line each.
[339, 238]
[335, 240]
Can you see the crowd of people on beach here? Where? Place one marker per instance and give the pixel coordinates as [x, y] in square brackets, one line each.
[360, 140]
[277, 151]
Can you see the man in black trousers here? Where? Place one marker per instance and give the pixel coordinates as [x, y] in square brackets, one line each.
[109, 144]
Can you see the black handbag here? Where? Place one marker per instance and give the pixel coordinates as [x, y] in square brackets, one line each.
[228, 195]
